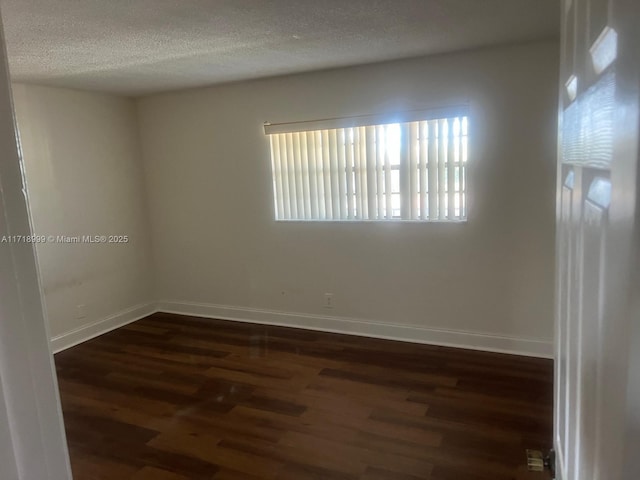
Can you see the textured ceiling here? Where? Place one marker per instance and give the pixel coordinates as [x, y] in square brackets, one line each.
[143, 46]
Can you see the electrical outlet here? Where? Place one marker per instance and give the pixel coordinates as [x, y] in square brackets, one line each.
[81, 311]
[328, 300]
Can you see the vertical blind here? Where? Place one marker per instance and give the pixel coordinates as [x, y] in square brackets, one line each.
[412, 170]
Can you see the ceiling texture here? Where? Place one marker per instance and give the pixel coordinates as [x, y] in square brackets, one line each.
[136, 47]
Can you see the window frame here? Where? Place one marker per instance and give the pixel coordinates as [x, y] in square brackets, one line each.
[453, 170]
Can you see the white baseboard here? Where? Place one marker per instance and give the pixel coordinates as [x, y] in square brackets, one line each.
[407, 333]
[87, 332]
[351, 326]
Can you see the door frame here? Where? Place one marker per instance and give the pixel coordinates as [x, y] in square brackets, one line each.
[32, 438]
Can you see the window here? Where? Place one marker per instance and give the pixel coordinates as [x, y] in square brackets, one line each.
[412, 168]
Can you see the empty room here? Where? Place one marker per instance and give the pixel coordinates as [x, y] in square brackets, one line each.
[366, 240]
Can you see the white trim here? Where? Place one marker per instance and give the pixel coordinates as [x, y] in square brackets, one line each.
[351, 326]
[7, 446]
[560, 468]
[102, 326]
[32, 436]
[408, 333]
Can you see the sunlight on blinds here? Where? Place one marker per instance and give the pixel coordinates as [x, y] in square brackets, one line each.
[403, 171]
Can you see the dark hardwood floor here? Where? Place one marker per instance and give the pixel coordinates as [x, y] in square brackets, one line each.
[172, 397]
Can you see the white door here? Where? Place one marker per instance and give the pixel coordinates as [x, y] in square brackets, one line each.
[597, 243]
[32, 440]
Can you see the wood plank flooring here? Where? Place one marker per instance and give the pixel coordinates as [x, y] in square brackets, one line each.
[173, 397]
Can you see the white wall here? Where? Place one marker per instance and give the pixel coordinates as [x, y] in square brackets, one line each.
[84, 177]
[217, 245]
